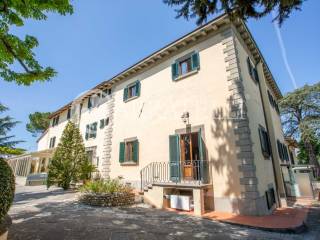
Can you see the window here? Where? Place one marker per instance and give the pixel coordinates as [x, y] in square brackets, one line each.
[104, 123]
[69, 114]
[90, 105]
[282, 151]
[252, 70]
[106, 92]
[271, 199]
[265, 142]
[129, 151]
[132, 91]
[91, 130]
[52, 142]
[273, 102]
[55, 121]
[184, 65]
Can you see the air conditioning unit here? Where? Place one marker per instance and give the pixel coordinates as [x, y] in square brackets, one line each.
[180, 202]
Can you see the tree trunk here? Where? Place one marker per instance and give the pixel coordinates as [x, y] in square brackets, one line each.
[312, 156]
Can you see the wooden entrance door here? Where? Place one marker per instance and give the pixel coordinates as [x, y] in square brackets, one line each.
[189, 153]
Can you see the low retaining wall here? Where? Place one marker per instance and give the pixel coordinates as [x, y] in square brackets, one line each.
[107, 199]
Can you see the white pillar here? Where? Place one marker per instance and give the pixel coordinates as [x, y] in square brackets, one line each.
[198, 201]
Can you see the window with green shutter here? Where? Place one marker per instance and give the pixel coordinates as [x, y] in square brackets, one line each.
[264, 142]
[132, 91]
[129, 152]
[91, 130]
[252, 70]
[185, 65]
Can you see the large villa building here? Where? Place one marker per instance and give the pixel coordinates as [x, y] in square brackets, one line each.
[198, 118]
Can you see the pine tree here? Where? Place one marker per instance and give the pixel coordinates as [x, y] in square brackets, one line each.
[70, 162]
[202, 9]
[7, 145]
[300, 112]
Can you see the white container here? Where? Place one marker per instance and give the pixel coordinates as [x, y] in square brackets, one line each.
[180, 202]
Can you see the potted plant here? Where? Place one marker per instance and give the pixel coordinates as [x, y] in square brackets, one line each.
[7, 187]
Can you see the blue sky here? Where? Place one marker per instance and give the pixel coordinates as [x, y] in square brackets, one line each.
[102, 38]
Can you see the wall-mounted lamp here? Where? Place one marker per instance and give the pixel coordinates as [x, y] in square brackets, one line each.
[185, 117]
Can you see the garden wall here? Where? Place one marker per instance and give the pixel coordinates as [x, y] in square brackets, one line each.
[107, 199]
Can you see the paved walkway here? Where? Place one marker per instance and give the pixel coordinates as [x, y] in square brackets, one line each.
[282, 219]
[41, 214]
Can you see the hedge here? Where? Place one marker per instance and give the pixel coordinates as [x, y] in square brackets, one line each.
[7, 187]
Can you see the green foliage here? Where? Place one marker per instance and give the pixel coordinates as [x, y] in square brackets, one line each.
[69, 162]
[107, 186]
[202, 9]
[303, 154]
[16, 50]
[300, 112]
[6, 142]
[38, 122]
[7, 187]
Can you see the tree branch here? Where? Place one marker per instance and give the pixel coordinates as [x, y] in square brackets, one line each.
[9, 48]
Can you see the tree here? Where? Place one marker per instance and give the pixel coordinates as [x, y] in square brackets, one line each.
[243, 9]
[16, 50]
[38, 122]
[69, 161]
[300, 111]
[7, 145]
[303, 155]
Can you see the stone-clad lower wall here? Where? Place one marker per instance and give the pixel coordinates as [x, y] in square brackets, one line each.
[107, 200]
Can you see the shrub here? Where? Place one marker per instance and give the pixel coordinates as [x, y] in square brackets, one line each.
[105, 186]
[7, 187]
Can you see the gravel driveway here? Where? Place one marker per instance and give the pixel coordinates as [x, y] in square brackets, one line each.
[41, 214]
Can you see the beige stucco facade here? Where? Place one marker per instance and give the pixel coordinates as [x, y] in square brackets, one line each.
[223, 103]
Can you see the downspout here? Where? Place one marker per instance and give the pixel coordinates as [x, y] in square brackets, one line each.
[272, 159]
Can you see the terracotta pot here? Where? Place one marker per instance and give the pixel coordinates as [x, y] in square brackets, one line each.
[4, 227]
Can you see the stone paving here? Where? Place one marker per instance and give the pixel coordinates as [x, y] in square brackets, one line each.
[54, 214]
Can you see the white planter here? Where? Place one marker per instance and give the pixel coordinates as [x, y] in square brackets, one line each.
[180, 202]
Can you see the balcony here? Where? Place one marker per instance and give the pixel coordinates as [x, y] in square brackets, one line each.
[189, 173]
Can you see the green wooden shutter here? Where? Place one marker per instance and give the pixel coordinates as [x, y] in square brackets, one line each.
[135, 151]
[138, 87]
[249, 66]
[87, 132]
[204, 163]
[195, 61]
[279, 149]
[255, 74]
[262, 141]
[121, 152]
[102, 121]
[174, 153]
[175, 70]
[125, 94]
[94, 127]
[89, 102]
[202, 147]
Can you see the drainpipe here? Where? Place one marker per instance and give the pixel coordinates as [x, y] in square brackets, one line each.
[272, 159]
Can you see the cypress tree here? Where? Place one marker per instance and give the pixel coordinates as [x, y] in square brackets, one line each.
[69, 159]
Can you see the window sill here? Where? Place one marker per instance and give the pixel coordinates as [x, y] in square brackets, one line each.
[129, 164]
[132, 98]
[187, 75]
